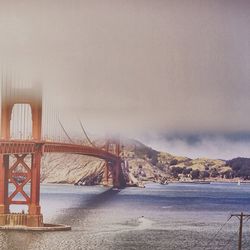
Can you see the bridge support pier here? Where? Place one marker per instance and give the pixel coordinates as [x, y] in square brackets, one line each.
[115, 168]
[105, 180]
[18, 170]
[116, 174]
[4, 206]
[110, 175]
[35, 217]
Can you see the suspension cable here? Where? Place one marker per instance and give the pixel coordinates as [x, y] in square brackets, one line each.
[65, 132]
[84, 131]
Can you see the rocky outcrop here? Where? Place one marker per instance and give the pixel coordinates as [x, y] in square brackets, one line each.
[67, 168]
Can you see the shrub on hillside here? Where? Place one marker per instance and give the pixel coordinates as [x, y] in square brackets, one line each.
[186, 171]
[160, 166]
[204, 174]
[177, 170]
[195, 174]
[173, 162]
[214, 173]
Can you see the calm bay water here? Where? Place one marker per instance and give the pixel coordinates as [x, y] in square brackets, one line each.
[176, 216]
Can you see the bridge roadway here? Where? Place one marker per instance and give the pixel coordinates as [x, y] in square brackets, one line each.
[31, 146]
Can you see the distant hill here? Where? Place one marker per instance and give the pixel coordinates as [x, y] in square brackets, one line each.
[142, 164]
[161, 166]
[240, 167]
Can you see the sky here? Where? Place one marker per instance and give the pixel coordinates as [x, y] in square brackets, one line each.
[173, 74]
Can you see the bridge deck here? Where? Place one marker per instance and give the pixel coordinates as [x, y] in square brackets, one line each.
[29, 147]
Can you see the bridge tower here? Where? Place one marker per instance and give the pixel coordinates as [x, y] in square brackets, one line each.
[19, 169]
[114, 169]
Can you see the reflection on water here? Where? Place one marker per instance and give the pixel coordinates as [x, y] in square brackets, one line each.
[176, 216]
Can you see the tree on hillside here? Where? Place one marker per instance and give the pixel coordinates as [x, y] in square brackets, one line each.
[177, 170]
[228, 174]
[173, 162]
[204, 174]
[195, 174]
[186, 171]
[214, 173]
[240, 167]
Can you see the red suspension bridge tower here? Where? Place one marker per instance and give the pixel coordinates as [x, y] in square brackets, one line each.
[20, 161]
[16, 169]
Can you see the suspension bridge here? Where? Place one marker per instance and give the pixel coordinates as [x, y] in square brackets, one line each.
[27, 133]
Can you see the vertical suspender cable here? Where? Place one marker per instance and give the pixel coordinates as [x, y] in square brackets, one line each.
[7, 88]
[12, 117]
[52, 122]
[25, 121]
[9, 98]
[2, 89]
[22, 115]
[46, 115]
[19, 113]
[54, 114]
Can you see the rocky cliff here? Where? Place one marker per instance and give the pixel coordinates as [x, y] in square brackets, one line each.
[67, 168]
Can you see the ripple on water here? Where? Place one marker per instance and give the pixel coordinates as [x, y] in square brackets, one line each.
[174, 217]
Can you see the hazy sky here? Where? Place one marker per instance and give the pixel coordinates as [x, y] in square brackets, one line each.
[162, 71]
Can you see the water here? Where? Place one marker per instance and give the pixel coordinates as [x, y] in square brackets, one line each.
[176, 216]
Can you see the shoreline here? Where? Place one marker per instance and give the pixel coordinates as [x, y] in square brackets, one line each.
[213, 181]
[207, 181]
